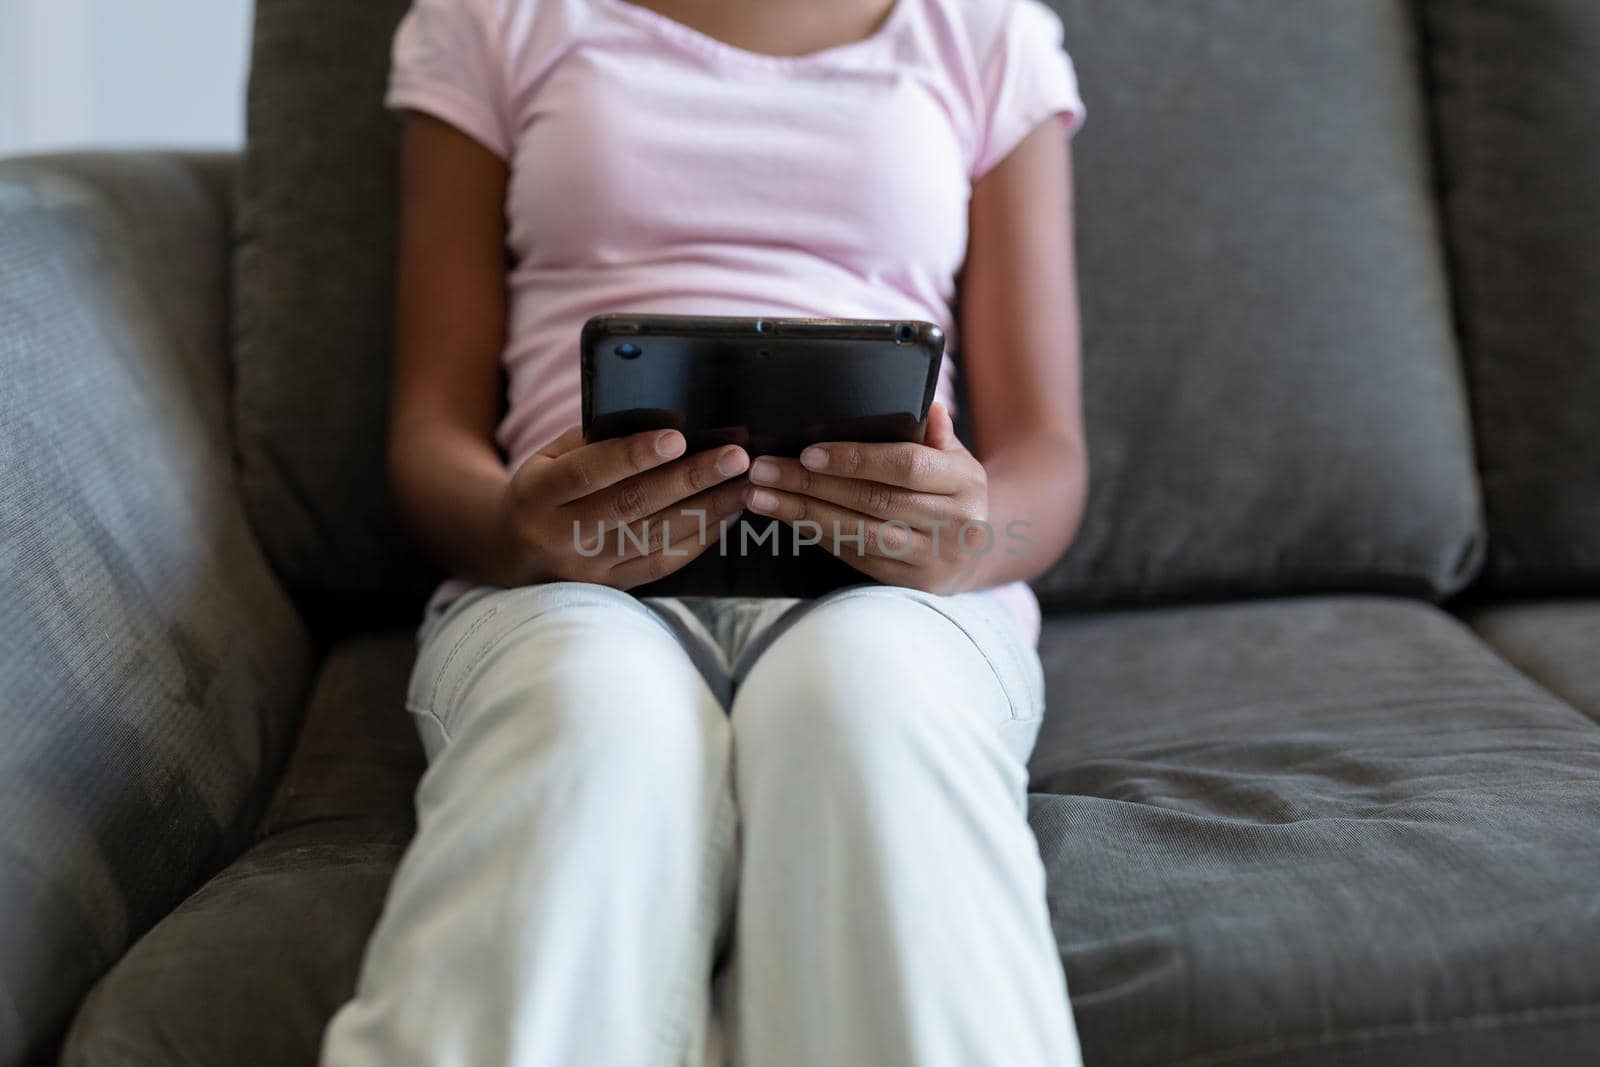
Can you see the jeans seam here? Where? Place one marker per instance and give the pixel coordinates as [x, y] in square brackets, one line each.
[1017, 667]
[983, 652]
[481, 655]
[427, 713]
[455, 650]
[1023, 664]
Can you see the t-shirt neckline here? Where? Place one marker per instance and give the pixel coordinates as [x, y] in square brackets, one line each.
[684, 34]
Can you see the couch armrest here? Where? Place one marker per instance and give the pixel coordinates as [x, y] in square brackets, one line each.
[153, 669]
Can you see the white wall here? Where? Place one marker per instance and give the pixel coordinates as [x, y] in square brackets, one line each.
[122, 73]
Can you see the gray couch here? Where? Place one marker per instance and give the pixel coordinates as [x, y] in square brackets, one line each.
[1320, 782]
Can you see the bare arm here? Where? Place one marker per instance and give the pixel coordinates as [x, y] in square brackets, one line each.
[1022, 353]
[447, 479]
[467, 511]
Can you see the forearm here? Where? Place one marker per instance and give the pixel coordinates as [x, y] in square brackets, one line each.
[450, 488]
[1038, 485]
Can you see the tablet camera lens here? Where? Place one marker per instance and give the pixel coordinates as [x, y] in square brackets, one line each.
[904, 332]
[763, 326]
[628, 350]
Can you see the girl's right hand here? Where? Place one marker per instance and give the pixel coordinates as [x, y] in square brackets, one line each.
[569, 499]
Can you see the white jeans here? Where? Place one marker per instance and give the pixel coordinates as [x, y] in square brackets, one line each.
[678, 832]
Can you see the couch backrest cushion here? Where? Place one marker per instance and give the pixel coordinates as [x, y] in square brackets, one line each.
[314, 281]
[1273, 391]
[152, 673]
[1518, 92]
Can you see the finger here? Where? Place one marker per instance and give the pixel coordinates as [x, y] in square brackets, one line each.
[587, 469]
[881, 568]
[683, 549]
[869, 498]
[570, 438]
[839, 527]
[902, 463]
[634, 499]
[701, 514]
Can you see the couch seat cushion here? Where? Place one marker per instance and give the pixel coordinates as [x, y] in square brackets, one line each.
[1287, 832]
[271, 947]
[1312, 830]
[1555, 642]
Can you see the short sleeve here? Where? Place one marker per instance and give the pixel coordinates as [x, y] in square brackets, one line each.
[1026, 78]
[446, 62]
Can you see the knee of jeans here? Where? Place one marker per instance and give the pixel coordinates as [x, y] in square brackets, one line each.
[624, 757]
[850, 683]
[579, 679]
[475, 624]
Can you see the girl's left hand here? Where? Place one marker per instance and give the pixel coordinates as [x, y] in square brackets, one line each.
[896, 512]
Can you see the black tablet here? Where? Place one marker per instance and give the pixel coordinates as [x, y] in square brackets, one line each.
[770, 385]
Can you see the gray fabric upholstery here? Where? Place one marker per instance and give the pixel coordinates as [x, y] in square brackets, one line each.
[1316, 830]
[1555, 642]
[1273, 395]
[153, 669]
[314, 273]
[298, 907]
[1518, 101]
[1290, 832]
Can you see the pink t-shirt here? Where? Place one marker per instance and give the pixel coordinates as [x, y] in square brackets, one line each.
[654, 168]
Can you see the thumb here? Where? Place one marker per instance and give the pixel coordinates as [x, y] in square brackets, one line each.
[941, 431]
